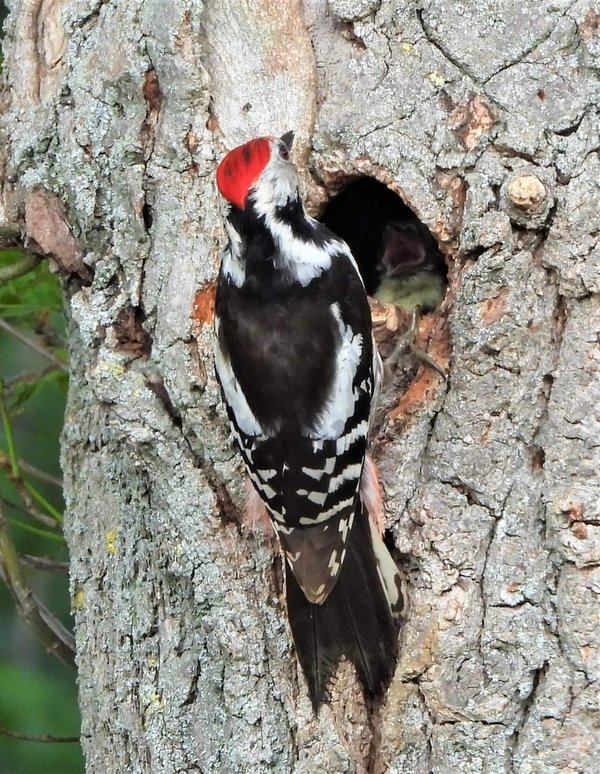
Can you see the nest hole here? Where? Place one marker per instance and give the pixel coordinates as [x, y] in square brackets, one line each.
[385, 236]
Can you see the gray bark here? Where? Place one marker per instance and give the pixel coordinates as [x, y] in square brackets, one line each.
[484, 117]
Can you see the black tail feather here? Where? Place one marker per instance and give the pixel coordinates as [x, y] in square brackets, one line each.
[354, 621]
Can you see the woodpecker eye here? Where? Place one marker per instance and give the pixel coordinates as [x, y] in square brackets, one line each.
[283, 151]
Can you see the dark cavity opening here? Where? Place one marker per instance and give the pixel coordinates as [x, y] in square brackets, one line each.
[388, 241]
[147, 216]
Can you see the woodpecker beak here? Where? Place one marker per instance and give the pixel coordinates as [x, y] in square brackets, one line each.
[288, 139]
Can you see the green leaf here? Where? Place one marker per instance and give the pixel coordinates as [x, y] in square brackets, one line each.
[10, 255]
[34, 298]
[25, 389]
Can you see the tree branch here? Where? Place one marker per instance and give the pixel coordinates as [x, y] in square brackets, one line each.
[45, 564]
[50, 631]
[29, 493]
[41, 475]
[35, 738]
[34, 345]
[24, 265]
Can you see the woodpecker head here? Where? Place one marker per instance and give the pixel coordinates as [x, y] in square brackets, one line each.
[260, 173]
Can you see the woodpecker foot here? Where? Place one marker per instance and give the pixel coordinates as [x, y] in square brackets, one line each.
[407, 341]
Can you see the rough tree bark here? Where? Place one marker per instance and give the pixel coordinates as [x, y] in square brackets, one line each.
[484, 117]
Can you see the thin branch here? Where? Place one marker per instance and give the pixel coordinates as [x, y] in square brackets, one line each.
[24, 265]
[34, 345]
[11, 460]
[57, 627]
[27, 495]
[36, 738]
[56, 536]
[45, 564]
[50, 631]
[29, 376]
[27, 491]
[40, 474]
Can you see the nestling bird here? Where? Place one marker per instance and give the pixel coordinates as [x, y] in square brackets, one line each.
[297, 366]
[411, 267]
[397, 256]
[412, 277]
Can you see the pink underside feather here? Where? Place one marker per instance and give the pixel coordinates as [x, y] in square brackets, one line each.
[255, 515]
[370, 491]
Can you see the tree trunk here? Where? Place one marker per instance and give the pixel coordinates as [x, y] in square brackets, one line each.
[484, 119]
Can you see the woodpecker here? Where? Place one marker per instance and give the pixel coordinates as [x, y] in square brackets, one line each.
[298, 367]
[412, 270]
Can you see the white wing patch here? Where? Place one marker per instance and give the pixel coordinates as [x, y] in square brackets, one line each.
[282, 529]
[342, 397]
[349, 472]
[340, 506]
[345, 526]
[343, 444]
[387, 571]
[315, 497]
[318, 473]
[231, 263]
[234, 395]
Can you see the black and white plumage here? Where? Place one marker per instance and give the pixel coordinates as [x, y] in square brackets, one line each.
[297, 367]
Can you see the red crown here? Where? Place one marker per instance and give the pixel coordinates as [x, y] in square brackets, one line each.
[241, 168]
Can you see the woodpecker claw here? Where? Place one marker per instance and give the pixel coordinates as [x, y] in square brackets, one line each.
[407, 341]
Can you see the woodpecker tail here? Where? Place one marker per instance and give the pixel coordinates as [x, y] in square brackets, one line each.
[356, 620]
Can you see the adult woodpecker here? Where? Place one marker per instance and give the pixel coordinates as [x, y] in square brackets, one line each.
[297, 367]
